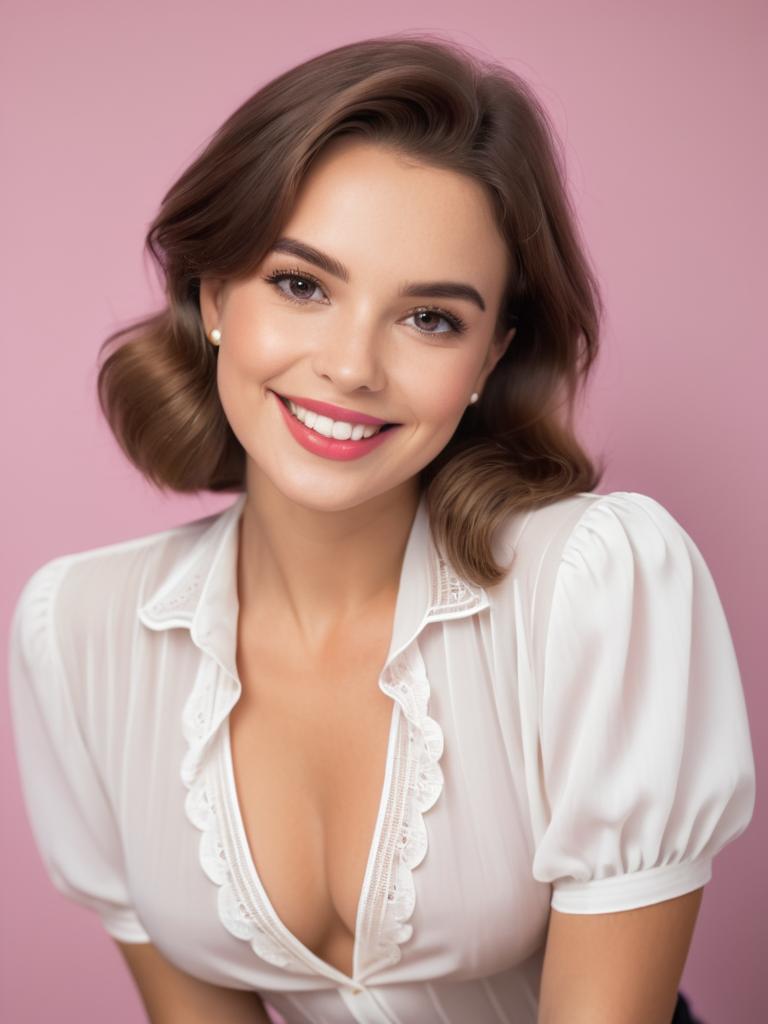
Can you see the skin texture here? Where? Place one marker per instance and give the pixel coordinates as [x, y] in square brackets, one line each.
[172, 996]
[621, 968]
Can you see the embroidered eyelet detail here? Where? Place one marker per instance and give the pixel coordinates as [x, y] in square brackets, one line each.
[416, 786]
[451, 593]
[180, 596]
[242, 918]
[197, 716]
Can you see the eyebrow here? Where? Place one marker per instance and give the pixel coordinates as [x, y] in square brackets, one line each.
[438, 289]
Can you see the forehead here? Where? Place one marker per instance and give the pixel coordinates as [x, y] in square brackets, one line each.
[367, 203]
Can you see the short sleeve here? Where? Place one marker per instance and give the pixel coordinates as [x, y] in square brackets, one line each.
[646, 754]
[67, 807]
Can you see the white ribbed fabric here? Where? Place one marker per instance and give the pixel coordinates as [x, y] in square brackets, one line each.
[575, 736]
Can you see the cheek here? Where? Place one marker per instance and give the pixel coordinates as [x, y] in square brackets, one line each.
[243, 369]
[255, 343]
[250, 358]
[440, 386]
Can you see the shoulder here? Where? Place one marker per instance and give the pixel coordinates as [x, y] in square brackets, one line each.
[530, 540]
[624, 539]
[72, 593]
[588, 544]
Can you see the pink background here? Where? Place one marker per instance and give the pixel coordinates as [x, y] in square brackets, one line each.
[658, 105]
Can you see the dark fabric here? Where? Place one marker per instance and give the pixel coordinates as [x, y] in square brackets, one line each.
[683, 1013]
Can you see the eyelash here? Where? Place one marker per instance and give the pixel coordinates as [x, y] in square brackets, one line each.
[458, 326]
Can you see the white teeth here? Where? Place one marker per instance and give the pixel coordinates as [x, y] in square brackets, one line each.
[340, 430]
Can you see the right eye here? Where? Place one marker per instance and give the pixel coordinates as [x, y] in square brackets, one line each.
[301, 285]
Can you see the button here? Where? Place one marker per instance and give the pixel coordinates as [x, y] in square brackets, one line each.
[356, 991]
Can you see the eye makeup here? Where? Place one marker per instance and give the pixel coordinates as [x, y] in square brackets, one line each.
[456, 324]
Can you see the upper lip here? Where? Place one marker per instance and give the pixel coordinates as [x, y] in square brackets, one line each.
[335, 412]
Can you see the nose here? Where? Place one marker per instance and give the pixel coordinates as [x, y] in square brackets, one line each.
[351, 358]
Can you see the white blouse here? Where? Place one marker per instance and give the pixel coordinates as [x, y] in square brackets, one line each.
[575, 736]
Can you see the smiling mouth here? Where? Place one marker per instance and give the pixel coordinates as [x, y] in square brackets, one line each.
[385, 426]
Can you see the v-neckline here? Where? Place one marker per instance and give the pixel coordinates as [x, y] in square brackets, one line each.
[379, 844]
[200, 597]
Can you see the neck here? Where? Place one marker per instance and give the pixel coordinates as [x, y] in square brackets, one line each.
[317, 571]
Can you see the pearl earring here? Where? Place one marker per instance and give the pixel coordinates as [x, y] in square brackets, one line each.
[474, 396]
[215, 335]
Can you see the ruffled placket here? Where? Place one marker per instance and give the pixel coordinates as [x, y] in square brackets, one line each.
[417, 775]
[417, 782]
[210, 804]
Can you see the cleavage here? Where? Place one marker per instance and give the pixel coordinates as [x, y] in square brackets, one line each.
[309, 764]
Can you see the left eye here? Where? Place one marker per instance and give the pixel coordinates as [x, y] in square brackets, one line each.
[451, 327]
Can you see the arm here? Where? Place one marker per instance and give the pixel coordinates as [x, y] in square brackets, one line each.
[171, 996]
[617, 968]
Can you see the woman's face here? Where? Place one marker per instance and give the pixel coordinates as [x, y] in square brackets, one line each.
[352, 337]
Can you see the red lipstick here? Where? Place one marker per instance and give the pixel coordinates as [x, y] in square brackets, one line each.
[328, 447]
[335, 412]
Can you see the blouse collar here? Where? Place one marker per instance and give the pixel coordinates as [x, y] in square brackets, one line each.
[200, 593]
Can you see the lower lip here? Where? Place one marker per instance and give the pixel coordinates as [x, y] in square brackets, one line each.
[329, 447]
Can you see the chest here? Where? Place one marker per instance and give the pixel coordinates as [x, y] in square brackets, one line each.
[309, 741]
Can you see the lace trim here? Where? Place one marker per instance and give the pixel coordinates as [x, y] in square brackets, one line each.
[451, 593]
[206, 807]
[418, 778]
[416, 787]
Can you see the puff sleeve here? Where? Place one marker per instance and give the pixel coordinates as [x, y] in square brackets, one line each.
[646, 755]
[67, 807]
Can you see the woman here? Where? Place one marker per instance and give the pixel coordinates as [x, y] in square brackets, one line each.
[419, 728]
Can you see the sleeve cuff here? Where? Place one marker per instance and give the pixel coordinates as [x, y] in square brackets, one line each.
[635, 889]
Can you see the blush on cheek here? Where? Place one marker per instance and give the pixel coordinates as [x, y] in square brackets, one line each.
[253, 356]
[446, 402]
[441, 384]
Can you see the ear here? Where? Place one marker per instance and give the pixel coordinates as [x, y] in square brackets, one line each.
[496, 350]
[211, 301]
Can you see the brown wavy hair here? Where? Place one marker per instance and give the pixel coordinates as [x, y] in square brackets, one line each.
[434, 100]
